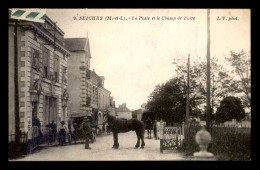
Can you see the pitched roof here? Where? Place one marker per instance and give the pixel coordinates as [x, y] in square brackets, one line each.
[123, 110]
[75, 44]
[78, 44]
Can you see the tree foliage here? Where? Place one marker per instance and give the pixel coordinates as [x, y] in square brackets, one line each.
[240, 62]
[230, 108]
[168, 101]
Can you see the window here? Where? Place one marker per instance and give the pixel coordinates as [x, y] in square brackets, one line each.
[64, 74]
[103, 102]
[34, 109]
[99, 102]
[56, 68]
[93, 94]
[35, 59]
[64, 113]
[45, 62]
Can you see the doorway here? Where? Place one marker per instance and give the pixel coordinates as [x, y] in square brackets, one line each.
[50, 110]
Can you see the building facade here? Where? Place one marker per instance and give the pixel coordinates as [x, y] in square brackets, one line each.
[42, 73]
[104, 101]
[88, 94]
[139, 114]
[141, 111]
[122, 112]
[79, 76]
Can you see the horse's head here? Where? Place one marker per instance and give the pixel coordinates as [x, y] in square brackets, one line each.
[107, 118]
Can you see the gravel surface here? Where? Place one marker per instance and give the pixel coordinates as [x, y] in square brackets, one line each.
[102, 150]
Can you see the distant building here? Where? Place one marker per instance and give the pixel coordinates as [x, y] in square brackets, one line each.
[123, 112]
[134, 114]
[143, 107]
[112, 108]
[139, 114]
[141, 111]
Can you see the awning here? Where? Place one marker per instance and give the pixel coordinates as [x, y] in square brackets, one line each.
[73, 115]
[77, 114]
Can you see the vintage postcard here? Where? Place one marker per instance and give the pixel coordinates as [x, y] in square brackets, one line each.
[129, 84]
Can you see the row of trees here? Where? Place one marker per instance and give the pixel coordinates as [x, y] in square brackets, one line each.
[168, 100]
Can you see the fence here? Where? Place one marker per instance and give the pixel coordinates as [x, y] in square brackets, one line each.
[227, 128]
[171, 138]
[17, 149]
[35, 141]
[23, 137]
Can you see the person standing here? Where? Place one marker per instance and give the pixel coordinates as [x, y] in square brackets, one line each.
[72, 131]
[53, 128]
[85, 126]
[108, 129]
[158, 128]
[36, 122]
[62, 134]
[155, 129]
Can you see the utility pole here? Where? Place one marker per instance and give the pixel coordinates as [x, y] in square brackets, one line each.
[208, 110]
[188, 92]
[16, 91]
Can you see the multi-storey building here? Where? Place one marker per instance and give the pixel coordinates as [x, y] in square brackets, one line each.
[80, 101]
[88, 95]
[104, 100]
[42, 74]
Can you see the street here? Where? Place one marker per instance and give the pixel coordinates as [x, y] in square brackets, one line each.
[102, 150]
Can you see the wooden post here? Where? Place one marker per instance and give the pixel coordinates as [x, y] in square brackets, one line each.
[188, 91]
[161, 145]
[208, 109]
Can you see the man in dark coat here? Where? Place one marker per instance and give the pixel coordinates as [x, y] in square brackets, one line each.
[36, 122]
[53, 127]
[85, 126]
[62, 133]
[155, 129]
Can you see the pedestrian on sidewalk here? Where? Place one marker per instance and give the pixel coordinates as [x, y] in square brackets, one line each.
[85, 126]
[155, 129]
[36, 122]
[53, 131]
[62, 133]
[72, 131]
[108, 129]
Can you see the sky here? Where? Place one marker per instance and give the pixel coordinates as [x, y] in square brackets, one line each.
[136, 55]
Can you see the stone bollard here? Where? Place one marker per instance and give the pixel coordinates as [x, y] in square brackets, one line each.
[203, 138]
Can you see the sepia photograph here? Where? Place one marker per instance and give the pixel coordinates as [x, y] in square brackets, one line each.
[129, 84]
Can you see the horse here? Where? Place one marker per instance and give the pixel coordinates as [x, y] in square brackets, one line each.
[121, 126]
[149, 127]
